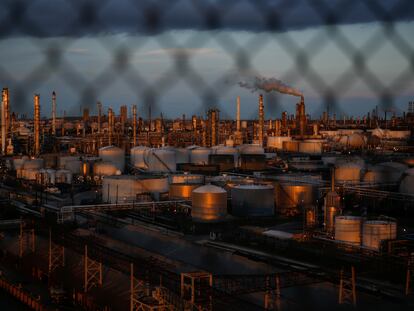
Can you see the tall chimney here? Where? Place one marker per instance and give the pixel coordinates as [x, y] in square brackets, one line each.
[134, 125]
[54, 113]
[36, 124]
[238, 114]
[6, 99]
[261, 120]
[3, 121]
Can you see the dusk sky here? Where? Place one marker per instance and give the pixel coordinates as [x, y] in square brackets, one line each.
[146, 52]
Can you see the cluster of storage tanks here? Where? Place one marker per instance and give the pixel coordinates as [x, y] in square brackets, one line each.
[286, 143]
[369, 234]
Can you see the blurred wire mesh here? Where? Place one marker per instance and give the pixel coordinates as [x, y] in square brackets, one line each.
[55, 27]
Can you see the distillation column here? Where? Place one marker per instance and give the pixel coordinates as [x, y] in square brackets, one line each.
[134, 125]
[54, 113]
[261, 120]
[5, 98]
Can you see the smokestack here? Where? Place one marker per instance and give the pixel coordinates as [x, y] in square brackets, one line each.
[54, 113]
[6, 100]
[3, 122]
[99, 116]
[238, 114]
[213, 124]
[261, 120]
[36, 124]
[134, 125]
[277, 128]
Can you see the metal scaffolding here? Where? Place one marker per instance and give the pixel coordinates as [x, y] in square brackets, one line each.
[92, 272]
[196, 289]
[27, 240]
[347, 292]
[56, 255]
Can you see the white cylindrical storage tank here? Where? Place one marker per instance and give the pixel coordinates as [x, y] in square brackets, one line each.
[230, 151]
[104, 169]
[348, 229]
[291, 146]
[277, 141]
[312, 146]
[118, 189]
[161, 160]
[138, 155]
[113, 154]
[348, 172]
[251, 149]
[63, 176]
[186, 179]
[200, 155]
[209, 204]
[182, 155]
[376, 231]
[252, 200]
[52, 176]
[152, 184]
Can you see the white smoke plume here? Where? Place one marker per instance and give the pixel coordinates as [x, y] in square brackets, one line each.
[269, 85]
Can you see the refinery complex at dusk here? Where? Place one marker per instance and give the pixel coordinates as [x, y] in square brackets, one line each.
[206, 155]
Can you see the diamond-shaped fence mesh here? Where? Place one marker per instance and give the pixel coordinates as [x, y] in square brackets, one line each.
[186, 56]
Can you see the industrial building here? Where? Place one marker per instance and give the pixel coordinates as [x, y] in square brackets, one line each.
[111, 211]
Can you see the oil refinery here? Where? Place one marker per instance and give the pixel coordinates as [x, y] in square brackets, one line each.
[114, 211]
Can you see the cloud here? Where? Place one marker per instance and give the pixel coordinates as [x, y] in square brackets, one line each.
[45, 18]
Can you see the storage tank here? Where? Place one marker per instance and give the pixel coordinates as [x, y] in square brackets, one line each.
[182, 155]
[63, 176]
[251, 149]
[182, 191]
[348, 229]
[252, 200]
[209, 204]
[311, 146]
[138, 155]
[200, 155]
[186, 179]
[113, 154]
[277, 141]
[105, 169]
[161, 160]
[388, 172]
[152, 184]
[353, 141]
[376, 231]
[348, 172]
[290, 196]
[118, 189]
[221, 150]
[291, 146]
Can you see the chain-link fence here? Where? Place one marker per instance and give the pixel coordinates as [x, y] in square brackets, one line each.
[186, 56]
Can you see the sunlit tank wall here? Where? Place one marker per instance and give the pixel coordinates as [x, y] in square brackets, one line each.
[182, 191]
[138, 155]
[289, 196]
[209, 204]
[161, 160]
[114, 155]
[376, 231]
[312, 146]
[105, 169]
[200, 155]
[277, 141]
[252, 200]
[291, 146]
[229, 151]
[348, 229]
[124, 188]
